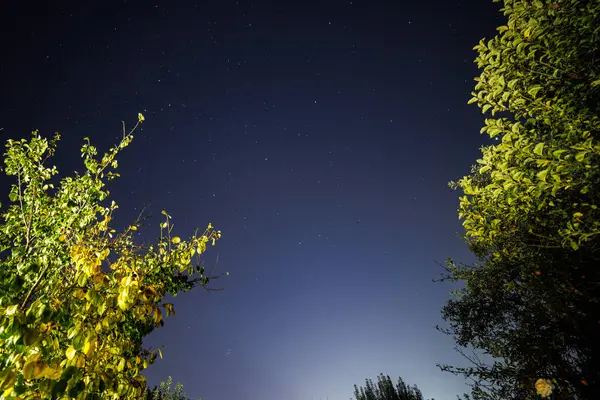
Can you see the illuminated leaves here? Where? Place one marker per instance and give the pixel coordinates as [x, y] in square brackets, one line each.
[89, 345]
[169, 308]
[157, 317]
[11, 310]
[34, 369]
[70, 352]
[64, 321]
[529, 207]
[544, 387]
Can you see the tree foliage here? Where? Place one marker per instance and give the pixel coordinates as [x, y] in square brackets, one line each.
[163, 391]
[384, 389]
[76, 297]
[530, 207]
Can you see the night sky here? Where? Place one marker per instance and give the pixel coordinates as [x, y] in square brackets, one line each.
[319, 136]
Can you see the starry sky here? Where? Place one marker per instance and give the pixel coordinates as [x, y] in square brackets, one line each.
[319, 136]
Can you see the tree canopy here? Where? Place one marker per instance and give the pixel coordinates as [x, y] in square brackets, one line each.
[385, 389]
[76, 296]
[163, 391]
[530, 208]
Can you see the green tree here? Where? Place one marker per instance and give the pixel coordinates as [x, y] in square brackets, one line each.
[76, 297]
[384, 389]
[163, 391]
[530, 208]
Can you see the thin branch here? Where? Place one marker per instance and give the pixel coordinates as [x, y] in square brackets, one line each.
[23, 212]
[37, 282]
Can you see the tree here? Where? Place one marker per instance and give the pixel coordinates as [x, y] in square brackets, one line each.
[385, 390]
[163, 391]
[530, 208]
[76, 297]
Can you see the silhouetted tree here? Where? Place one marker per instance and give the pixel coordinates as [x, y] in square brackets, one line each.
[384, 389]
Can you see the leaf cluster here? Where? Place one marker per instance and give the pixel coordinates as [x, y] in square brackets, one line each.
[76, 296]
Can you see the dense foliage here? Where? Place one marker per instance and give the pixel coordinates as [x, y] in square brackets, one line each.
[530, 208]
[384, 389]
[76, 297]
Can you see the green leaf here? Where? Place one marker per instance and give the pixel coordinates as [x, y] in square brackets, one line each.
[534, 91]
[121, 364]
[558, 153]
[30, 337]
[580, 156]
[58, 389]
[539, 149]
[78, 341]
[484, 169]
[542, 175]
[595, 83]
[75, 390]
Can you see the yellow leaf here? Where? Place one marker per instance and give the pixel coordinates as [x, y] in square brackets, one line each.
[70, 353]
[141, 117]
[62, 237]
[133, 228]
[89, 346]
[8, 380]
[157, 316]
[121, 365]
[122, 300]
[28, 370]
[53, 373]
[39, 369]
[543, 387]
[80, 361]
[176, 240]
[12, 310]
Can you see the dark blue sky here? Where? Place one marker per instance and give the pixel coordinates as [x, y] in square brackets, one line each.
[318, 136]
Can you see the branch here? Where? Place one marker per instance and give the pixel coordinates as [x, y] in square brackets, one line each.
[37, 282]
[23, 213]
